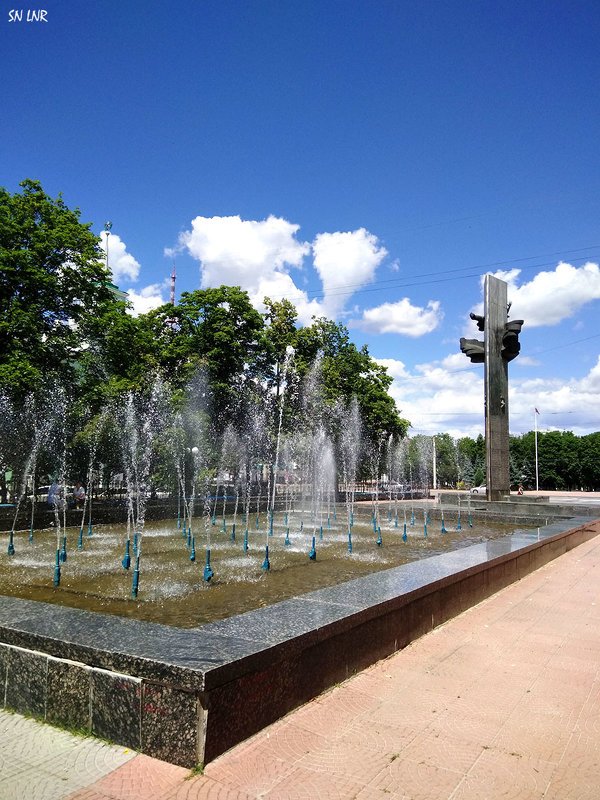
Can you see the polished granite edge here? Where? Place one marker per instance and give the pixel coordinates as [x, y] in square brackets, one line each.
[227, 648]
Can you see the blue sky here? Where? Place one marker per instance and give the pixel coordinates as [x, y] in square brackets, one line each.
[369, 160]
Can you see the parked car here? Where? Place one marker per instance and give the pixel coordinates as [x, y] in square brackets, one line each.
[479, 490]
[394, 487]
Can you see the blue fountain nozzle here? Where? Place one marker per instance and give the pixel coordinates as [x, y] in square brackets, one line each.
[208, 573]
[313, 553]
[57, 569]
[136, 579]
[266, 563]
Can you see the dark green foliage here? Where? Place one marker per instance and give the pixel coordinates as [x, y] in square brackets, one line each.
[565, 461]
[52, 278]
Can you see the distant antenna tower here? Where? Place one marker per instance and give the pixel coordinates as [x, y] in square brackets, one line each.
[173, 276]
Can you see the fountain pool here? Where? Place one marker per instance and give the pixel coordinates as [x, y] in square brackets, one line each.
[172, 590]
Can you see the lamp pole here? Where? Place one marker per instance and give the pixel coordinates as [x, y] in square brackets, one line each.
[107, 227]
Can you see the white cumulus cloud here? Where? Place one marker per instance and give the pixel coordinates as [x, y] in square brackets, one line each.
[234, 251]
[259, 257]
[345, 262]
[446, 396]
[401, 317]
[146, 299]
[255, 255]
[121, 263]
[551, 296]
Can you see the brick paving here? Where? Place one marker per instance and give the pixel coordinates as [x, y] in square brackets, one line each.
[501, 702]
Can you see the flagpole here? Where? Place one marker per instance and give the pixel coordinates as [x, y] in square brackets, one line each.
[537, 482]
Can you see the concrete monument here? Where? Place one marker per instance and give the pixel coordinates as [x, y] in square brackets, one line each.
[500, 345]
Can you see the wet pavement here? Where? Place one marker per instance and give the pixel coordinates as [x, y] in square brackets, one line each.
[502, 701]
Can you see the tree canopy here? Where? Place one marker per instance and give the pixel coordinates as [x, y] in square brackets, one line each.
[62, 326]
[52, 278]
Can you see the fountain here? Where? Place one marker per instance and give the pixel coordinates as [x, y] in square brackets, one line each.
[255, 606]
[286, 483]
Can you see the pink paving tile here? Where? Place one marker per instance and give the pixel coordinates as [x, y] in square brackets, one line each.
[142, 777]
[271, 749]
[479, 729]
[253, 771]
[254, 779]
[456, 753]
[582, 662]
[583, 748]
[333, 711]
[506, 775]
[580, 785]
[306, 784]
[346, 756]
[380, 684]
[380, 736]
[588, 722]
[566, 700]
[415, 711]
[411, 779]
[543, 736]
[203, 788]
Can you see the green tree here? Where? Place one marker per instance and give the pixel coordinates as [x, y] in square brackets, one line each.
[348, 372]
[279, 335]
[590, 461]
[52, 277]
[446, 460]
[121, 352]
[217, 331]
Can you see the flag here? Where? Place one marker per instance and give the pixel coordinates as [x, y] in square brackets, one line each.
[536, 411]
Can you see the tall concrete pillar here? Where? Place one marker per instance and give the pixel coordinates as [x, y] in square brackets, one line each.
[496, 390]
[500, 345]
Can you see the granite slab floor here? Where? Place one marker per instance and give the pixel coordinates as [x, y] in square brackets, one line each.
[501, 702]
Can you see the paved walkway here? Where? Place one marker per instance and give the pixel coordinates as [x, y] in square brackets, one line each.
[500, 702]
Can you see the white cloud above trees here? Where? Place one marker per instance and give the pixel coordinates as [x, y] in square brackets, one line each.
[146, 299]
[401, 317]
[551, 296]
[259, 256]
[345, 263]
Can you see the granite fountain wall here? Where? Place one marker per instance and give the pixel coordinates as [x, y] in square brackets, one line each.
[185, 696]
